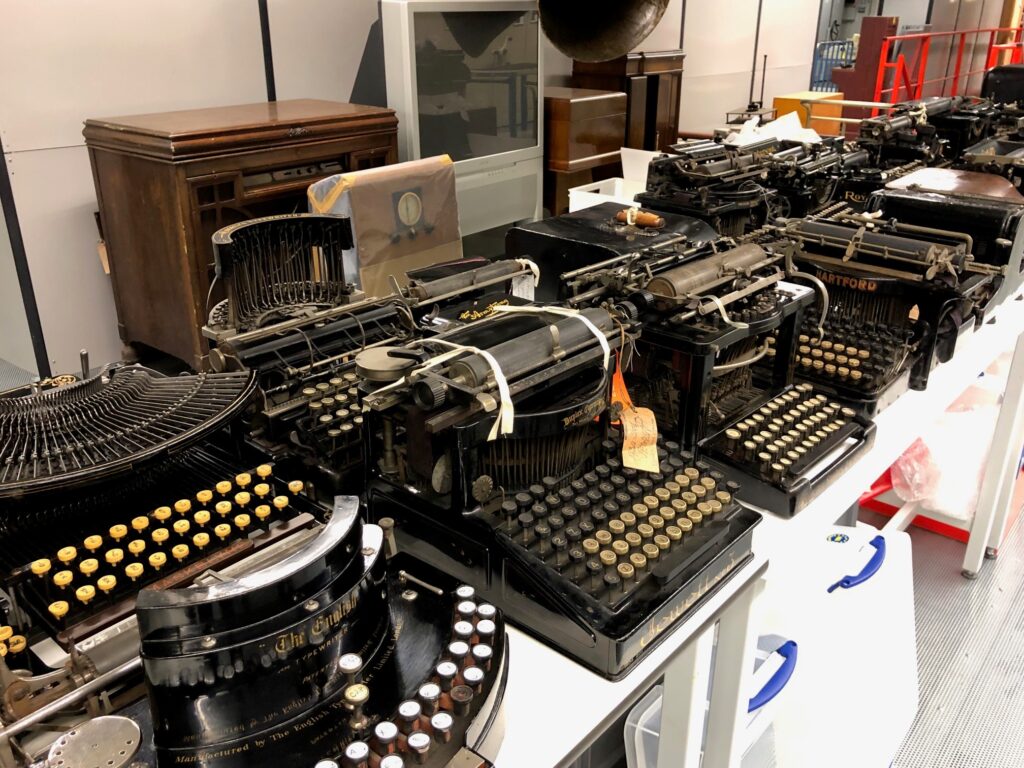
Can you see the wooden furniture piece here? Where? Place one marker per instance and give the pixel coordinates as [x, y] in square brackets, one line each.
[166, 182]
[652, 83]
[858, 82]
[583, 132]
[791, 102]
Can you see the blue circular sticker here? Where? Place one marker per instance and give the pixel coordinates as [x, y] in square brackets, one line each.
[839, 538]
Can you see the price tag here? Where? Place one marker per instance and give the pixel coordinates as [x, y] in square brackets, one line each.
[639, 439]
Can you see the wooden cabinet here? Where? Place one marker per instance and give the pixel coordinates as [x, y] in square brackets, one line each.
[583, 132]
[166, 182]
[651, 82]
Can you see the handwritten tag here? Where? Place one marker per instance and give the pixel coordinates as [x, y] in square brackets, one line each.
[639, 439]
[522, 286]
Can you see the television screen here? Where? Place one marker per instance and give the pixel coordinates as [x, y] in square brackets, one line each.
[476, 82]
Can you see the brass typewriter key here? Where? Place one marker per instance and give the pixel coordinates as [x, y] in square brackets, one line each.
[626, 573]
[89, 566]
[662, 541]
[639, 563]
[668, 514]
[355, 697]
[651, 552]
[620, 548]
[222, 531]
[674, 533]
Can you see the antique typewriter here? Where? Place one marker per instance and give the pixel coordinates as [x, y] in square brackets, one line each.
[900, 297]
[909, 132]
[132, 516]
[293, 315]
[492, 450]
[739, 188]
[718, 329]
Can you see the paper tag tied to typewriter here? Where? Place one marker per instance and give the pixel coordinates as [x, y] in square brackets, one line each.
[639, 439]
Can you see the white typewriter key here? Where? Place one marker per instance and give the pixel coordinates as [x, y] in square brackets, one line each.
[419, 742]
[458, 651]
[473, 676]
[485, 630]
[447, 671]
[357, 750]
[465, 592]
[466, 610]
[392, 761]
[441, 724]
[486, 611]
[429, 694]
[463, 630]
[482, 655]
[386, 733]
[350, 664]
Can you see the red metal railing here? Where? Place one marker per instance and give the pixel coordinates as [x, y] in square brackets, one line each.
[903, 62]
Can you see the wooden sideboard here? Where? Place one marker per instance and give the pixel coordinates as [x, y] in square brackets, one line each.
[652, 82]
[166, 182]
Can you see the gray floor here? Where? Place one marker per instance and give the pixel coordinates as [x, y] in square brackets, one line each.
[970, 646]
[13, 376]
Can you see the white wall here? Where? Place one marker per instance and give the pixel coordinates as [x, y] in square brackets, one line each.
[15, 341]
[719, 46]
[912, 13]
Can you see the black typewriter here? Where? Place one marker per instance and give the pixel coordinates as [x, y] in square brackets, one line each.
[294, 316]
[538, 512]
[900, 296]
[272, 627]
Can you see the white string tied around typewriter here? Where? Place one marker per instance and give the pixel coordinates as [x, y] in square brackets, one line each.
[564, 312]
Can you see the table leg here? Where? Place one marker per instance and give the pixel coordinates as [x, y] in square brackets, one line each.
[733, 666]
[996, 493]
[684, 693]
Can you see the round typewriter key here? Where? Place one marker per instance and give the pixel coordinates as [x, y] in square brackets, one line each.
[223, 487]
[612, 584]
[640, 511]
[264, 471]
[223, 508]
[608, 558]
[705, 509]
[181, 527]
[222, 531]
[466, 610]
[201, 540]
[386, 733]
[657, 522]
[604, 538]
[429, 694]
[85, 594]
[92, 543]
[465, 592]
[628, 519]
[662, 541]
[326, 764]
[162, 513]
[617, 527]
[204, 497]
[6, 633]
[620, 548]
[446, 672]
[118, 532]
[463, 630]
[419, 743]
[135, 546]
[357, 752]
[58, 609]
[695, 517]
[645, 530]
[633, 539]
[556, 522]
[242, 498]
[140, 524]
[114, 556]
[458, 650]
[651, 502]
[106, 583]
[441, 724]
[18, 643]
[590, 546]
[651, 552]
[40, 567]
[587, 528]
[179, 552]
[486, 611]
[409, 712]
[626, 572]
[160, 535]
[638, 561]
[280, 502]
[485, 630]
[89, 566]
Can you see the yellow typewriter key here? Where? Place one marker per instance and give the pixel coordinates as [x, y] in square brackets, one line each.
[223, 487]
[162, 513]
[261, 489]
[85, 594]
[183, 506]
[106, 584]
[89, 567]
[181, 527]
[114, 556]
[136, 546]
[242, 480]
[296, 486]
[280, 502]
[3, 650]
[133, 570]
[41, 567]
[264, 471]
[63, 578]
[204, 497]
[58, 609]
[223, 508]
[202, 517]
[92, 543]
[118, 532]
[201, 540]
[242, 498]
[242, 522]
[67, 554]
[6, 633]
[157, 560]
[222, 531]
[139, 524]
[262, 512]
[17, 644]
[160, 535]
[179, 551]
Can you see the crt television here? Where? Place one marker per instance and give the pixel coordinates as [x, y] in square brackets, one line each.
[464, 77]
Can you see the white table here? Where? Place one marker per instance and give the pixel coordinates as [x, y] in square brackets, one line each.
[555, 708]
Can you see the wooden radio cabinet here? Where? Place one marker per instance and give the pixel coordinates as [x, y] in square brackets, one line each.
[166, 182]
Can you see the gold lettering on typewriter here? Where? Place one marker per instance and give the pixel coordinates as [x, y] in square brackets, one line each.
[585, 413]
[318, 626]
[847, 281]
[854, 197]
[476, 314]
[658, 625]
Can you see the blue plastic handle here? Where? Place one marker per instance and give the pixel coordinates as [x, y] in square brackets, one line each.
[774, 686]
[869, 570]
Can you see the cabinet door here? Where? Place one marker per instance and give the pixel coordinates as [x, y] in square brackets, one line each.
[636, 112]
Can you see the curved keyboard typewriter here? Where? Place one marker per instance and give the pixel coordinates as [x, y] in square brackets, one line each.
[109, 424]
